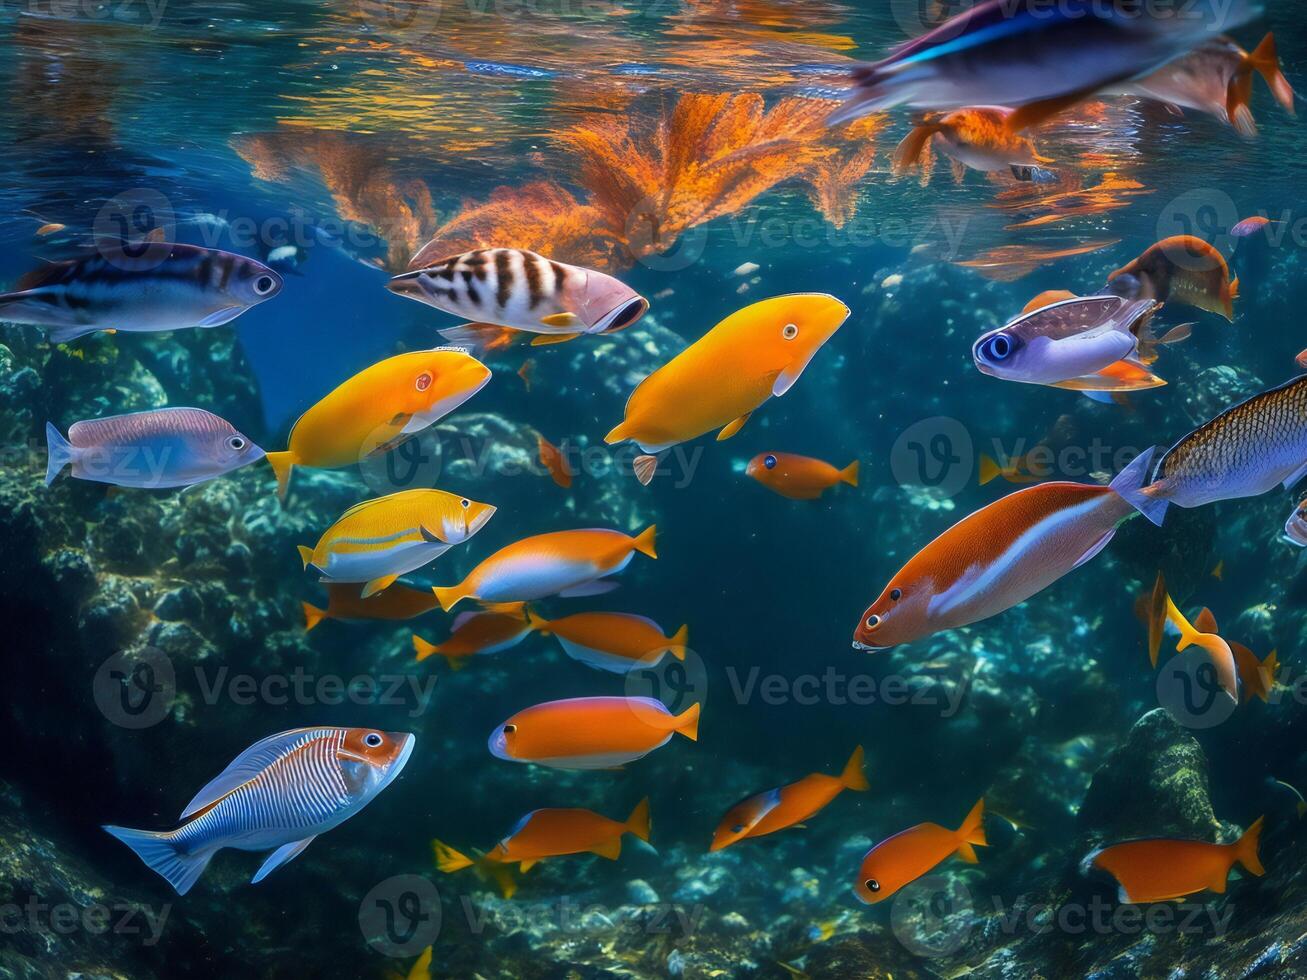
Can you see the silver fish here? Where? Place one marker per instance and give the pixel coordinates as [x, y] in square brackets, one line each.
[279, 793]
[511, 287]
[165, 447]
[1243, 452]
[141, 287]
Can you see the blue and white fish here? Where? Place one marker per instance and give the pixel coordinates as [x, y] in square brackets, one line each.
[142, 287]
[165, 447]
[277, 795]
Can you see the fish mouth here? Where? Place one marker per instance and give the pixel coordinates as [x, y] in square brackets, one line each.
[498, 745]
[478, 522]
[867, 647]
[396, 767]
[624, 315]
[411, 285]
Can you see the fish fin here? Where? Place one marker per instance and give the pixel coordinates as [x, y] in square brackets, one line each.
[422, 648]
[312, 615]
[562, 320]
[162, 855]
[644, 541]
[591, 588]
[638, 822]
[1205, 622]
[376, 585]
[850, 474]
[430, 537]
[545, 339]
[644, 467]
[455, 663]
[1266, 62]
[282, 855]
[853, 776]
[480, 338]
[449, 860]
[611, 849]
[908, 153]
[989, 469]
[1245, 849]
[218, 317]
[1035, 113]
[502, 876]
[678, 643]
[687, 722]
[306, 554]
[62, 335]
[1219, 652]
[281, 463]
[1295, 476]
[1177, 334]
[731, 428]
[1238, 99]
[527, 865]
[972, 830]
[967, 853]
[59, 452]
[449, 596]
[243, 768]
[1129, 485]
[1095, 548]
[1156, 618]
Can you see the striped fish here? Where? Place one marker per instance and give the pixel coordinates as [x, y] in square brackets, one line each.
[139, 288]
[277, 795]
[166, 447]
[510, 287]
[1243, 452]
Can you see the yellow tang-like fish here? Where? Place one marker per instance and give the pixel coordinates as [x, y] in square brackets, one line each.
[723, 377]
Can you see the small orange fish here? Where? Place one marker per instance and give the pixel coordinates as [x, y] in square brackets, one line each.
[556, 832]
[49, 229]
[496, 628]
[777, 809]
[1256, 677]
[1202, 633]
[1160, 870]
[1250, 226]
[978, 137]
[617, 642]
[911, 853]
[527, 372]
[1218, 572]
[591, 733]
[799, 477]
[552, 459]
[1185, 269]
[344, 603]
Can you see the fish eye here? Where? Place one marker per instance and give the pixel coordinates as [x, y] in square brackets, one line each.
[465, 503]
[790, 332]
[263, 285]
[424, 381]
[737, 828]
[872, 885]
[629, 314]
[998, 347]
[236, 443]
[509, 729]
[873, 622]
[372, 740]
[769, 461]
[895, 595]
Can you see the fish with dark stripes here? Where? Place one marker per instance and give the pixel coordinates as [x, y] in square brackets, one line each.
[514, 288]
[277, 795]
[144, 287]
[165, 447]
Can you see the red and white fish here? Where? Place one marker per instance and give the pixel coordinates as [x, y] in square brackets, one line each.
[277, 795]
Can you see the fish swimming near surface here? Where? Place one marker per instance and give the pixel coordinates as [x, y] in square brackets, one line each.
[511, 287]
[999, 556]
[1203, 635]
[1162, 870]
[977, 137]
[1243, 452]
[756, 353]
[164, 447]
[591, 733]
[500, 627]
[379, 540]
[799, 477]
[277, 795]
[787, 805]
[909, 854]
[344, 603]
[561, 563]
[1295, 528]
[1185, 269]
[613, 641]
[553, 460]
[1026, 53]
[144, 287]
[378, 408]
[1217, 78]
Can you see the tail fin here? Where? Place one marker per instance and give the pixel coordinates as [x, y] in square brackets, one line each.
[449, 596]
[908, 152]
[1157, 603]
[679, 641]
[972, 832]
[162, 854]
[282, 464]
[853, 776]
[638, 822]
[537, 624]
[1129, 484]
[312, 616]
[1238, 98]
[306, 554]
[687, 723]
[1245, 848]
[449, 860]
[850, 474]
[1266, 62]
[59, 452]
[989, 469]
[644, 541]
[422, 648]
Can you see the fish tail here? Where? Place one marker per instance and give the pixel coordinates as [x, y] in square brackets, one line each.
[537, 624]
[162, 854]
[1188, 634]
[644, 541]
[502, 875]
[282, 464]
[422, 648]
[687, 722]
[638, 822]
[989, 469]
[1231, 294]
[908, 153]
[449, 596]
[306, 554]
[853, 776]
[59, 452]
[312, 615]
[679, 642]
[1129, 485]
[449, 860]
[1267, 670]
[1245, 848]
[1157, 604]
[1265, 60]
[850, 474]
[972, 833]
[1238, 98]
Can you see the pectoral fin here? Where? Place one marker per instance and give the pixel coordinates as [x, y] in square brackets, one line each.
[733, 427]
[545, 339]
[611, 849]
[377, 585]
[282, 855]
[561, 320]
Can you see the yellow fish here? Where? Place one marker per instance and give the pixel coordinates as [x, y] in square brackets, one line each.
[379, 407]
[717, 382]
[379, 540]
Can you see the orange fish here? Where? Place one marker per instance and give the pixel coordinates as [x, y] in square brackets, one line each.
[552, 459]
[344, 603]
[721, 379]
[551, 833]
[499, 627]
[450, 860]
[799, 477]
[1202, 634]
[1218, 572]
[590, 733]
[1250, 226]
[617, 642]
[1187, 270]
[1161, 870]
[1256, 677]
[1301, 359]
[1155, 617]
[562, 563]
[777, 809]
[911, 853]
[527, 373]
[977, 137]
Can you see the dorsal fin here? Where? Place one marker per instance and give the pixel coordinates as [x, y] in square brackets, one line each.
[44, 276]
[246, 766]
